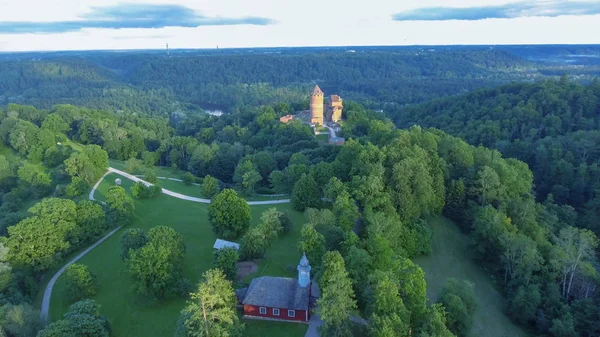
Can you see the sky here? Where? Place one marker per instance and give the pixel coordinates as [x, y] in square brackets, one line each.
[33, 25]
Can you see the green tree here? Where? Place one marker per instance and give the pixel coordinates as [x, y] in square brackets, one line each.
[226, 260]
[249, 181]
[563, 326]
[575, 246]
[524, 303]
[56, 124]
[312, 243]
[278, 182]
[5, 170]
[244, 166]
[91, 221]
[23, 137]
[19, 320]
[210, 187]
[334, 189]
[488, 185]
[76, 188]
[253, 244]
[150, 175]
[80, 282]
[132, 239]
[305, 193]
[37, 242]
[337, 303]
[434, 323]
[270, 225]
[133, 165]
[229, 214]
[156, 267]
[459, 300]
[346, 212]
[89, 164]
[120, 206]
[82, 320]
[211, 311]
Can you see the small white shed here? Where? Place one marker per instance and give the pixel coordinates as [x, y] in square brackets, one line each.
[220, 244]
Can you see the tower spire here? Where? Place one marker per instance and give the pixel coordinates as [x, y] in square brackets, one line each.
[304, 272]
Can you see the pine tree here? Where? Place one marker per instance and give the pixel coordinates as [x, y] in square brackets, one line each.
[337, 301]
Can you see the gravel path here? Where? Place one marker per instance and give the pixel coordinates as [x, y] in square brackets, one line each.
[50, 285]
[186, 197]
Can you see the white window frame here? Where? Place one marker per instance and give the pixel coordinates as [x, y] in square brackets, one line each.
[291, 313]
[275, 312]
[262, 310]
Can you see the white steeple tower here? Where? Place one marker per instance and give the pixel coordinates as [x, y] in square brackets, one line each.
[304, 272]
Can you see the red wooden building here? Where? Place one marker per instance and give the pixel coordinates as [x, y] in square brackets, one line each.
[280, 298]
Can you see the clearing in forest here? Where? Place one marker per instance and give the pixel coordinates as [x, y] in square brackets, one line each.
[131, 315]
[451, 257]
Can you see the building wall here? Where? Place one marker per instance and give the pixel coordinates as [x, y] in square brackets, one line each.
[301, 315]
[316, 109]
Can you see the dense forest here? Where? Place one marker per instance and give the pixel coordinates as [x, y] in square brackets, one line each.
[393, 180]
[553, 126]
[378, 77]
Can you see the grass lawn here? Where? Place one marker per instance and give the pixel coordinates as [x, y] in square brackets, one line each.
[451, 258]
[323, 137]
[256, 328]
[130, 315]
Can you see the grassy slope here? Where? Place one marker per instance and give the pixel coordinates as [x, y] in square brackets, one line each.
[131, 315]
[452, 258]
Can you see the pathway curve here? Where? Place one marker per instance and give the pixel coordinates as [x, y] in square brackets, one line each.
[50, 285]
[48, 291]
[187, 197]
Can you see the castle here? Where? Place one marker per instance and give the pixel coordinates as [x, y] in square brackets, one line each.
[317, 107]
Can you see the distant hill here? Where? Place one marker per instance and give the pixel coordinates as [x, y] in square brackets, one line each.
[554, 126]
[379, 77]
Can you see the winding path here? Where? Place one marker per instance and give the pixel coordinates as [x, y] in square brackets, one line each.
[49, 287]
[187, 197]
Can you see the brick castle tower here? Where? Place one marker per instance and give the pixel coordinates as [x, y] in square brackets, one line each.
[316, 106]
[335, 109]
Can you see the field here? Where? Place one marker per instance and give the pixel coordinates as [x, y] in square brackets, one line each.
[323, 137]
[451, 258]
[131, 315]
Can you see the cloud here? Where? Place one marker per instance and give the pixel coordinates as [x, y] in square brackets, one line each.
[539, 8]
[131, 16]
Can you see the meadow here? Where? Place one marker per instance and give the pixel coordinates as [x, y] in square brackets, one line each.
[132, 315]
[451, 257]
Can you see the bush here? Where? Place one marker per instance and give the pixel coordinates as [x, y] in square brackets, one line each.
[150, 176]
[226, 259]
[459, 300]
[132, 165]
[141, 191]
[80, 283]
[188, 179]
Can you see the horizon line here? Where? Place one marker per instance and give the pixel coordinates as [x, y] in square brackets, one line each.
[295, 47]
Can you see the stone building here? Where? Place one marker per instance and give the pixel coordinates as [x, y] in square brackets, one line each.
[317, 108]
[335, 108]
